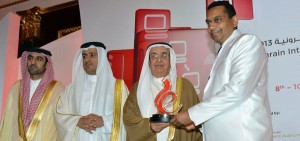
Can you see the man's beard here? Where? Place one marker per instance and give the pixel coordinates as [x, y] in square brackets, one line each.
[34, 70]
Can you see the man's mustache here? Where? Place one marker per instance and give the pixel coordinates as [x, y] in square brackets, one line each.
[88, 63]
[215, 30]
[32, 66]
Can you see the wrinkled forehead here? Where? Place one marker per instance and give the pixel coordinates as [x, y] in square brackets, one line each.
[159, 49]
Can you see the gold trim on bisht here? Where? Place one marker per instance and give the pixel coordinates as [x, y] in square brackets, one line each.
[175, 106]
[20, 122]
[38, 114]
[117, 111]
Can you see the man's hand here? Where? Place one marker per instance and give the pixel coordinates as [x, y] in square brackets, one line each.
[190, 127]
[85, 124]
[158, 126]
[183, 120]
[90, 122]
[97, 121]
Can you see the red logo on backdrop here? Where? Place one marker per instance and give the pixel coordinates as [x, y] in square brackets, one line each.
[121, 62]
[244, 8]
[192, 46]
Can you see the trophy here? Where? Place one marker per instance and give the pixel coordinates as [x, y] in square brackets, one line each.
[164, 100]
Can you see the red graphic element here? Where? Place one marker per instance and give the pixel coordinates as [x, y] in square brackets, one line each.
[193, 48]
[149, 19]
[161, 100]
[121, 62]
[243, 8]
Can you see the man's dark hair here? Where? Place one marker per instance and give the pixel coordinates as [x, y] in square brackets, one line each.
[229, 9]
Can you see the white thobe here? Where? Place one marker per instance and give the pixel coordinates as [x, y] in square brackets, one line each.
[86, 108]
[86, 105]
[33, 85]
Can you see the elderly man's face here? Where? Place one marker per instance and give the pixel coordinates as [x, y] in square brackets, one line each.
[90, 61]
[159, 61]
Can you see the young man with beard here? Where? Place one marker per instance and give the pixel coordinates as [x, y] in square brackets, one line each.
[31, 103]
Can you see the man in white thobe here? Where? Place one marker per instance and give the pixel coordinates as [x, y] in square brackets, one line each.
[90, 107]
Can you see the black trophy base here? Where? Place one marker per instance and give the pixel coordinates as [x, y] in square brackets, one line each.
[161, 118]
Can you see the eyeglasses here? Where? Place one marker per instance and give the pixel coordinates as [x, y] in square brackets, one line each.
[155, 56]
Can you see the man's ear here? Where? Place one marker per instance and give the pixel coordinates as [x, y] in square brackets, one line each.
[234, 21]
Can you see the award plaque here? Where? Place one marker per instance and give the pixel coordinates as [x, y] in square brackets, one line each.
[164, 99]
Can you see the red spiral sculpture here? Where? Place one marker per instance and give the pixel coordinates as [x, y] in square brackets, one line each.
[162, 95]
